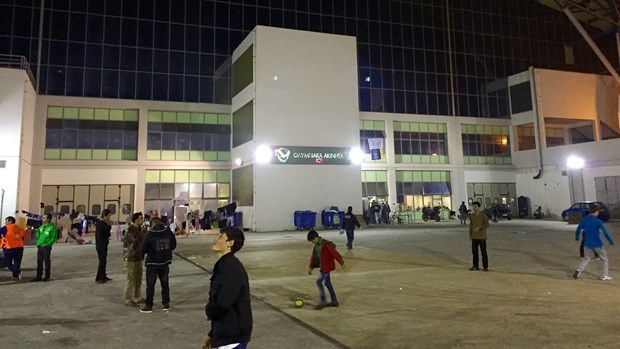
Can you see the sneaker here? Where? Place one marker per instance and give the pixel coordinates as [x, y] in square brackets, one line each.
[46, 279]
[333, 304]
[146, 309]
[36, 280]
[606, 278]
[320, 305]
[105, 279]
[166, 307]
[486, 269]
[474, 268]
[576, 274]
[131, 304]
[14, 279]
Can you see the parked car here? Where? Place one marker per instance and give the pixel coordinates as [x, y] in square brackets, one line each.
[503, 211]
[583, 207]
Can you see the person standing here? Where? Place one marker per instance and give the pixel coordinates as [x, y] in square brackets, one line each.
[593, 243]
[463, 212]
[12, 236]
[158, 245]
[348, 225]
[478, 225]
[133, 243]
[385, 213]
[323, 255]
[46, 237]
[229, 307]
[102, 240]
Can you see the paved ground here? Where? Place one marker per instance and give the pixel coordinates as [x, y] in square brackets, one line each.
[403, 287]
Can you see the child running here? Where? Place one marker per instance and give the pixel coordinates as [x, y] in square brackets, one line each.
[594, 246]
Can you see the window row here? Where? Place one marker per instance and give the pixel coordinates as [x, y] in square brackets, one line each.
[123, 58]
[374, 189]
[423, 188]
[194, 176]
[96, 125]
[155, 127]
[188, 141]
[185, 191]
[130, 85]
[91, 139]
[428, 103]
[486, 145]
[420, 143]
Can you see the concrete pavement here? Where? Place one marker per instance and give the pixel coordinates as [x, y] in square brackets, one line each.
[403, 287]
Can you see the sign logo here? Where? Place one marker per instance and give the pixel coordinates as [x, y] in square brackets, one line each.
[293, 155]
[282, 154]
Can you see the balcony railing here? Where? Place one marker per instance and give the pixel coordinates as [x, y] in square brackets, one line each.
[17, 62]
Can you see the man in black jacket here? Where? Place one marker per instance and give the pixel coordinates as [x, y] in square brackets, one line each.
[102, 240]
[158, 245]
[229, 306]
[348, 224]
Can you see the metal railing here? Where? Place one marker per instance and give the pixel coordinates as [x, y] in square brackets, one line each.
[17, 62]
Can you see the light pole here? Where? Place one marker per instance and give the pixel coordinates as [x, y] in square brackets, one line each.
[575, 163]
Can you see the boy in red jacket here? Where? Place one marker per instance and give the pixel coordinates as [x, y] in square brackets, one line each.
[323, 255]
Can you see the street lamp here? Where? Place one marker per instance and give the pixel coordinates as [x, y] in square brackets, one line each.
[574, 163]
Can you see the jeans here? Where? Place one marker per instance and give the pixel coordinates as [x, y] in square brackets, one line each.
[483, 248]
[350, 237]
[13, 260]
[43, 258]
[133, 287]
[325, 278]
[102, 253]
[153, 272]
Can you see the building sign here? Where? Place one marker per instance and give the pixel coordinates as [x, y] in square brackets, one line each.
[311, 155]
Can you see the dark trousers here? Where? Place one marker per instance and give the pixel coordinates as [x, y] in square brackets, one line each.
[350, 236]
[13, 260]
[102, 253]
[152, 273]
[483, 249]
[43, 257]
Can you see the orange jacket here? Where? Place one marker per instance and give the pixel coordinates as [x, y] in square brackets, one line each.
[14, 237]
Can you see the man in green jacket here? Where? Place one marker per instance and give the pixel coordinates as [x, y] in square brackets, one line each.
[478, 225]
[46, 237]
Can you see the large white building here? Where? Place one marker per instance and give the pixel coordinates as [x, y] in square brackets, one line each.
[296, 93]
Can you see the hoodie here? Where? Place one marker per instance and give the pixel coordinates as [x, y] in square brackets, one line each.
[158, 245]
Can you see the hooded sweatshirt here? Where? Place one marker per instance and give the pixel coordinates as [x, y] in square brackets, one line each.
[158, 245]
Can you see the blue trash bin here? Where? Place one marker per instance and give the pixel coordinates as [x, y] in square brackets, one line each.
[304, 220]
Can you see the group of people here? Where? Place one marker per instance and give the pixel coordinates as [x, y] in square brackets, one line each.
[378, 213]
[153, 247]
[228, 308]
[12, 244]
[588, 231]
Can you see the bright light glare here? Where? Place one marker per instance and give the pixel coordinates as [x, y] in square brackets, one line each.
[356, 155]
[263, 154]
[238, 161]
[575, 162]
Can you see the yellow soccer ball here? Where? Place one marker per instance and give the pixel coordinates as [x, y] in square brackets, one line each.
[299, 303]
